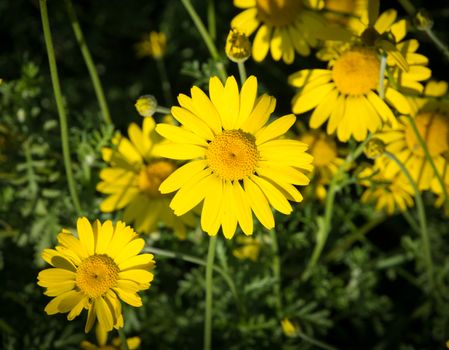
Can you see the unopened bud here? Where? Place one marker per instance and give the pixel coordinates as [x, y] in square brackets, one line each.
[374, 148]
[423, 20]
[146, 105]
[238, 47]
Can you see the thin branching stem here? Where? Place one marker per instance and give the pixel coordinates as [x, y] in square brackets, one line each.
[59, 105]
[96, 82]
[209, 289]
[325, 224]
[421, 217]
[242, 72]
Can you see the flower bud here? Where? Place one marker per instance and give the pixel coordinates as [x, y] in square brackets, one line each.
[238, 47]
[146, 105]
[374, 148]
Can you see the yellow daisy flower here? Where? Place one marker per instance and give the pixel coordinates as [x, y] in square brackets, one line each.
[282, 27]
[94, 271]
[153, 45]
[325, 159]
[237, 165]
[248, 248]
[432, 121]
[132, 180]
[346, 94]
[346, 12]
[102, 338]
[388, 194]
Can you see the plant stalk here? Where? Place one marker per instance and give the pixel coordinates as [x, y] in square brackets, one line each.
[209, 282]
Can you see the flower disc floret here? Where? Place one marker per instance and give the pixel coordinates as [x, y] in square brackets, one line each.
[96, 275]
[356, 72]
[233, 155]
[151, 176]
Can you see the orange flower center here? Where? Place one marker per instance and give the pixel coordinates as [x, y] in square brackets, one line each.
[434, 130]
[96, 275]
[233, 155]
[356, 72]
[278, 12]
[151, 176]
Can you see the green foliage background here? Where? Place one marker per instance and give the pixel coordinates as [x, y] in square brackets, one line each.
[369, 290]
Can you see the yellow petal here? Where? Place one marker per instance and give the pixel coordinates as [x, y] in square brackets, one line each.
[258, 203]
[181, 175]
[261, 43]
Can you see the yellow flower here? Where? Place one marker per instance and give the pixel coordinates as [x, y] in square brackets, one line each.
[283, 27]
[238, 47]
[102, 337]
[289, 328]
[248, 248]
[152, 45]
[325, 159]
[346, 12]
[132, 180]
[94, 271]
[237, 165]
[431, 117]
[388, 194]
[346, 95]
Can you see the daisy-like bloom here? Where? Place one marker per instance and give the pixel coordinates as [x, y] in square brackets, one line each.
[346, 94]
[431, 117]
[388, 195]
[325, 159]
[132, 180]
[248, 248]
[237, 164]
[102, 339]
[153, 45]
[94, 271]
[282, 27]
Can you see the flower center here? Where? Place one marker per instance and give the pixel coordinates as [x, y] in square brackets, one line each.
[233, 155]
[96, 275]
[278, 12]
[151, 177]
[356, 72]
[434, 130]
[322, 148]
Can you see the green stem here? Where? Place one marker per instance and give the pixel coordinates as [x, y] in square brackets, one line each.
[422, 220]
[350, 240]
[208, 311]
[166, 87]
[163, 110]
[89, 62]
[383, 64]
[315, 342]
[211, 23]
[408, 7]
[411, 221]
[242, 72]
[59, 105]
[429, 158]
[205, 35]
[123, 342]
[325, 225]
[276, 273]
[437, 42]
[197, 261]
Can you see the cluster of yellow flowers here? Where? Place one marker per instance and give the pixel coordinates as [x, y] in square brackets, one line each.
[222, 156]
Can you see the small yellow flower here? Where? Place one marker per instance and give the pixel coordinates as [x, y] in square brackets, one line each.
[282, 27]
[132, 179]
[237, 165]
[289, 328]
[146, 105]
[248, 248]
[238, 47]
[152, 45]
[94, 271]
[102, 338]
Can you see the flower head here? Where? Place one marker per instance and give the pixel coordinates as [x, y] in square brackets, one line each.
[238, 47]
[237, 165]
[282, 27]
[346, 94]
[94, 271]
[133, 177]
[146, 105]
[152, 45]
